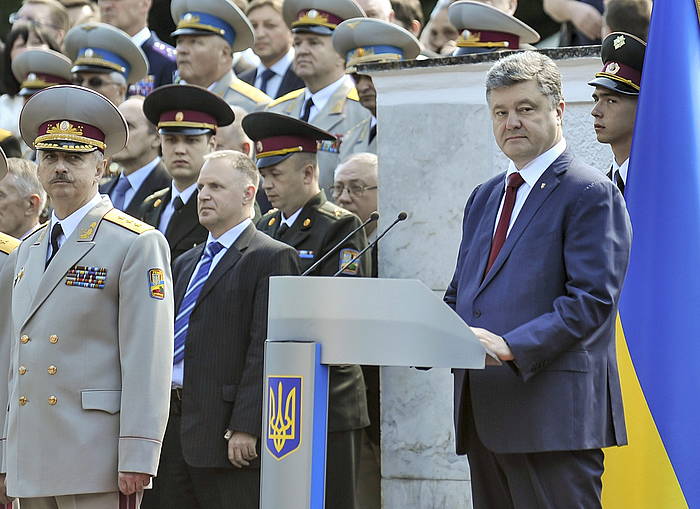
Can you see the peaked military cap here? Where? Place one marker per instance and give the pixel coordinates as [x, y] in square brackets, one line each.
[99, 47]
[72, 119]
[623, 58]
[186, 109]
[213, 17]
[484, 28]
[40, 68]
[278, 136]
[3, 164]
[319, 16]
[363, 40]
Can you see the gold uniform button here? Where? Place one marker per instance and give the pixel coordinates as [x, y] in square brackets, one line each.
[22, 370]
[23, 400]
[24, 339]
[53, 339]
[53, 400]
[52, 370]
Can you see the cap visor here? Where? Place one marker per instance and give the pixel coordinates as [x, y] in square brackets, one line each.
[264, 162]
[613, 85]
[473, 51]
[91, 68]
[312, 29]
[66, 146]
[191, 31]
[187, 131]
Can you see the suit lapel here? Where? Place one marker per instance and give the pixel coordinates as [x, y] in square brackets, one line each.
[33, 270]
[538, 195]
[155, 181]
[73, 249]
[486, 228]
[289, 83]
[183, 221]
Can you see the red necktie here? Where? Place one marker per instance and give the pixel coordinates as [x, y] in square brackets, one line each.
[499, 238]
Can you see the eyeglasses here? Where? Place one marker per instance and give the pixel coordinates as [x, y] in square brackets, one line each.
[92, 82]
[15, 17]
[353, 189]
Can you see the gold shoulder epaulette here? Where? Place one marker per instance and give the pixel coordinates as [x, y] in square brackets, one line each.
[4, 134]
[352, 94]
[332, 210]
[126, 221]
[8, 243]
[157, 194]
[290, 95]
[249, 91]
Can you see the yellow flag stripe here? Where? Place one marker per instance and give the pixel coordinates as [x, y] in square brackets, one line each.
[640, 475]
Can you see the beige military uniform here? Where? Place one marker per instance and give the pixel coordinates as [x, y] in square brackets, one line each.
[341, 113]
[357, 140]
[91, 356]
[237, 92]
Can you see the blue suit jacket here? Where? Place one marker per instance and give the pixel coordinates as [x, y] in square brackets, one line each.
[161, 66]
[552, 293]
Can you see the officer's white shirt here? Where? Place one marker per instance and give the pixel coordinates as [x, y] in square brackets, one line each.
[322, 97]
[279, 68]
[621, 169]
[137, 178]
[141, 36]
[170, 209]
[289, 221]
[226, 240]
[70, 223]
[530, 173]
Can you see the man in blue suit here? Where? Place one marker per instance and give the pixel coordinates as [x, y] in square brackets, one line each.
[543, 256]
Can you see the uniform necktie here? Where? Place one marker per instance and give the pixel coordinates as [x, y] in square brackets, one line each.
[307, 109]
[515, 180]
[182, 319]
[373, 133]
[178, 203]
[265, 78]
[620, 183]
[282, 230]
[56, 233]
[119, 193]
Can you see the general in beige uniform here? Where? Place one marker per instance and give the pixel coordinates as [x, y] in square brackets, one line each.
[91, 325]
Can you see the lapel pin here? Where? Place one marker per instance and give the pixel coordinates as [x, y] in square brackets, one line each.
[543, 185]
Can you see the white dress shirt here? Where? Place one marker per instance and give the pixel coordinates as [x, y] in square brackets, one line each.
[279, 68]
[137, 178]
[621, 169]
[321, 97]
[141, 36]
[290, 220]
[226, 240]
[530, 173]
[170, 209]
[70, 223]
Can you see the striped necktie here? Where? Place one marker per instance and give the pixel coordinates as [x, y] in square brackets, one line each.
[182, 319]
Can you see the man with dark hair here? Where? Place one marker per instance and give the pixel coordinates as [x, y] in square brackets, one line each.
[629, 16]
[544, 251]
[408, 14]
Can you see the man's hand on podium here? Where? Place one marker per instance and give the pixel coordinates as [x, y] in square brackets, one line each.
[495, 344]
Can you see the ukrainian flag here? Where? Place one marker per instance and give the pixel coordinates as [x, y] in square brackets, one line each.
[659, 328]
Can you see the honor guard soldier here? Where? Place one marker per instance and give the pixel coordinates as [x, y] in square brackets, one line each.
[616, 93]
[286, 149]
[483, 29]
[186, 117]
[208, 33]
[36, 69]
[329, 100]
[363, 41]
[105, 59]
[91, 328]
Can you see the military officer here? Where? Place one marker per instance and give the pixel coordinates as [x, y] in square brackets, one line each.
[287, 158]
[91, 329]
[208, 33]
[329, 100]
[617, 88]
[186, 135]
[38, 68]
[105, 59]
[484, 28]
[368, 40]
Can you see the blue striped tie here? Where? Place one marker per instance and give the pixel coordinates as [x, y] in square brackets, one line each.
[182, 320]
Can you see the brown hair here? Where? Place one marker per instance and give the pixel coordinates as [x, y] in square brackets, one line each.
[256, 4]
[630, 16]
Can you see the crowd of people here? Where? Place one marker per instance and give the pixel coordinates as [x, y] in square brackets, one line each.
[150, 191]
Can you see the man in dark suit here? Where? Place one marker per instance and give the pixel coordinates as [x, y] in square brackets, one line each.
[186, 136]
[221, 291]
[304, 219]
[143, 173]
[273, 45]
[131, 16]
[543, 256]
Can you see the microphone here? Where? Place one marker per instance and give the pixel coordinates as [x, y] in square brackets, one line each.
[374, 216]
[401, 217]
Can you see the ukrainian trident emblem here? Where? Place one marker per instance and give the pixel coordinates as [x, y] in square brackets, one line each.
[284, 415]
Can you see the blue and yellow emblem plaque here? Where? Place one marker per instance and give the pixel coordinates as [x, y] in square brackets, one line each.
[283, 435]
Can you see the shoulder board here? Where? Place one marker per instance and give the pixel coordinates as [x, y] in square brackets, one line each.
[126, 221]
[4, 133]
[332, 210]
[8, 243]
[353, 95]
[249, 91]
[157, 194]
[291, 95]
[267, 219]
